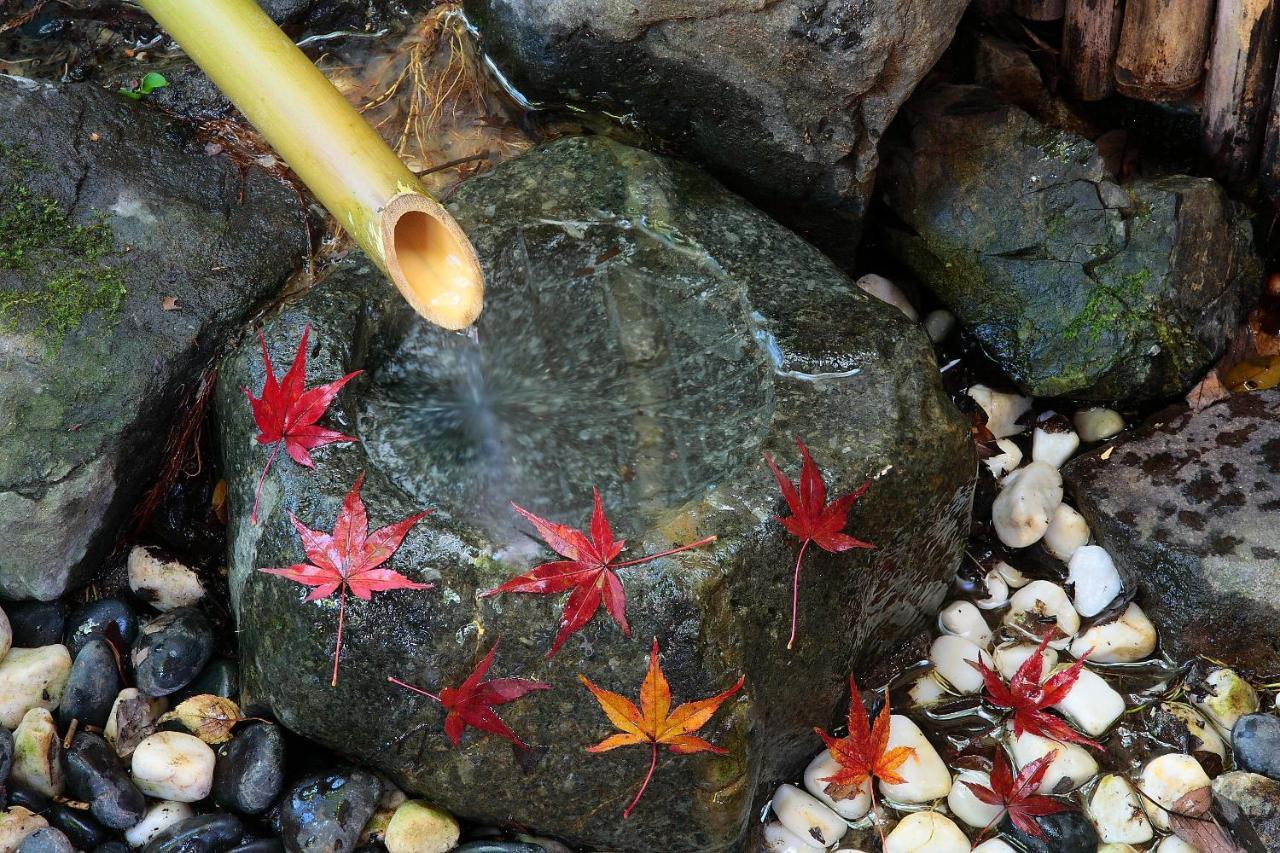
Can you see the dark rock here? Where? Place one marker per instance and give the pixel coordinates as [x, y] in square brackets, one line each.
[85, 832]
[107, 209]
[205, 833]
[282, 11]
[692, 362]
[1064, 832]
[325, 813]
[92, 686]
[113, 618]
[36, 623]
[96, 776]
[497, 847]
[250, 769]
[171, 650]
[1077, 286]
[1258, 798]
[112, 847]
[46, 840]
[787, 98]
[1186, 505]
[258, 845]
[221, 677]
[1256, 741]
[32, 801]
[6, 753]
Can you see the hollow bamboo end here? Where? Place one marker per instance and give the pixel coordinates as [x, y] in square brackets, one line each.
[431, 261]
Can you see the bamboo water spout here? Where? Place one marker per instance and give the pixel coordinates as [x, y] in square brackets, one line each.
[335, 152]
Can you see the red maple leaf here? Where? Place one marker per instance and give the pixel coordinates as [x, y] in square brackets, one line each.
[348, 558]
[589, 571]
[1017, 795]
[654, 722]
[1028, 698]
[863, 753]
[471, 703]
[814, 520]
[286, 413]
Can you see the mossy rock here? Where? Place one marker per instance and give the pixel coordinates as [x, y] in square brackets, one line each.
[652, 334]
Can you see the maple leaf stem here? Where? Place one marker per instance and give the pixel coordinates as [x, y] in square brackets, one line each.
[875, 817]
[636, 562]
[337, 649]
[653, 765]
[795, 594]
[257, 493]
[417, 690]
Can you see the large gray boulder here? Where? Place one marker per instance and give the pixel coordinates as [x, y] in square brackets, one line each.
[649, 333]
[785, 99]
[1076, 285]
[1187, 507]
[108, 215]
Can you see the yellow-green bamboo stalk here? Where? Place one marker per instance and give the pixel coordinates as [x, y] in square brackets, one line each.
[334, 151]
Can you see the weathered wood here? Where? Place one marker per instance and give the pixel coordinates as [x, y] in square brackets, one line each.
[1269, 171]
[1090, 36]
[1039, 10]
[1162, 48]
[1237, 86]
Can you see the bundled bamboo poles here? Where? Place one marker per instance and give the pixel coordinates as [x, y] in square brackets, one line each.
[334, 151]
[1237, 87]
[1090, 36]
[1162, 48]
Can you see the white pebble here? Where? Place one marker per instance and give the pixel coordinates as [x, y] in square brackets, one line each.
[1039, 603]
[133, 716]
[1130, 638]
[1067, 533]
[1199, 727]
[1094, 579]
[1116, 810]
[806, 816]
[825, 765]
[1092, 704]
[1052, 446]
[37, 753]
[159, 817]
[926, 832]
[1167, 779]
[16, 824]
[927, 690]
[163, 583]
[1027, 500]
[966, 806]
[939, 324]
[1008, 459]
[173, 766]
[6, 635]
[32, 678]
[1011, 656]
[778, 839]
[997, 592]
[1070, 768]
[418, 827]
[1098, 424]
[994, 845]
[951, 658]
[1174, 844]
[1003, 410]
[886, 291]
[962, 619]
[1228, 699]
[1014, 578]
[1117, 848]
[925, 776]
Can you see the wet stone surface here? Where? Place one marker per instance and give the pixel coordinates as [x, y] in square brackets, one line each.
[171, 650]
[327, 812]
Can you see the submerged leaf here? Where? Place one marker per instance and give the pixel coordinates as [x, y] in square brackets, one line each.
[210, 718]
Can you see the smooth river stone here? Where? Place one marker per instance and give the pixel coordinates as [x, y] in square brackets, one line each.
[171, 650]
[926, 832]
[1071, 768]
[37, 751]
[924, 775]
[31, 678]
[91, 687]
[823, 765]
[96, 776]
[173, 766]
[1165, 780]
[1116, 810]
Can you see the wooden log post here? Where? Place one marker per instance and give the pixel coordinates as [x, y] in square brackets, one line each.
[1162, 48]
[1269, 171]
[1039, 10]
[1090, 36]
[1237, 86]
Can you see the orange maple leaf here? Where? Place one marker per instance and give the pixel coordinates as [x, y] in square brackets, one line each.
[654, 722]
[863, 753]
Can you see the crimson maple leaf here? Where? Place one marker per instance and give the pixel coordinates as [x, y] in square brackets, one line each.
[863, 753]
[1017, 795]
[589, 571]
[814, 520]
[286, 413]
[1028, 698]
[654, 722]
[471, 703]
[348, 558]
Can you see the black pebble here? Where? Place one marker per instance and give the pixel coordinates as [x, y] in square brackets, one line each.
[6, 753]
[85, 832]
[95, 775]
[258, 845]
[1256, 739]
[36, 623]
[32, 801]
[204, 833]
[221, 677]
[113, 847]
[249, 772]
[92, 686]
[171, 650]
[498, 847]
[1064, 832]
[326, 812]
[110, 617]
[46, 840]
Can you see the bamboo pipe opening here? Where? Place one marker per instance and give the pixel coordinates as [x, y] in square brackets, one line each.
[431, 261]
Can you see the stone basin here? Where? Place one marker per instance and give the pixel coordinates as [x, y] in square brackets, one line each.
[651, 334]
